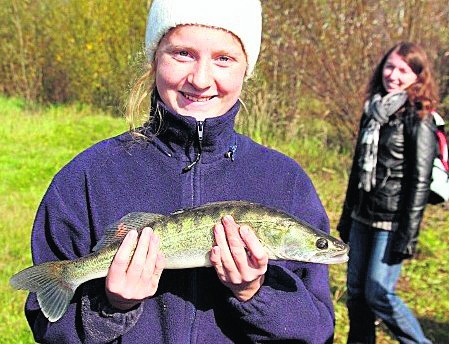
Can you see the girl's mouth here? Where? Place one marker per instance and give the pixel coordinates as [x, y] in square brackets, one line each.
[199, 99]
[392, 85]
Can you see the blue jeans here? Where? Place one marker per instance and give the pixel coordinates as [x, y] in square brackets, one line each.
[372, 277]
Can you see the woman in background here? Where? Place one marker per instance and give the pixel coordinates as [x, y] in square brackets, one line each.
[199, 52]
[388, 190]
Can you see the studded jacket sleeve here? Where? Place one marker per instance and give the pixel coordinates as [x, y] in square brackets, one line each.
[420, 143]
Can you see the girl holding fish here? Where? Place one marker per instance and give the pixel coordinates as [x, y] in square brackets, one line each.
[388, 190]
[187, 154]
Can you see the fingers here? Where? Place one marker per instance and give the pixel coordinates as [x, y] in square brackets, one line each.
[160, 264]
[255, 251]
[220, 251]
[154, 262]
[130, 280]
[221, 237]
[239, 251]
[229, 243]
[236, 252]
[143, 255]
[239, 258]
[215, 259]
[120, 263]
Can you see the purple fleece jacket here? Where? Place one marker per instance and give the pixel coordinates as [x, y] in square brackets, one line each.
[122, 175]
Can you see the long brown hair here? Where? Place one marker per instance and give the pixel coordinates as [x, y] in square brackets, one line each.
[423, 94]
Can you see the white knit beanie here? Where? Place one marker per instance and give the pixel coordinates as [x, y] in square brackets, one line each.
[241, 17]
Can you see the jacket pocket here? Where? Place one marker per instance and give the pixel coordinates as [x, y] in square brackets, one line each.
[388, 196]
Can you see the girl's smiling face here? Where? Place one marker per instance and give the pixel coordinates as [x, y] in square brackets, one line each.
[200, 70]
[397, 74]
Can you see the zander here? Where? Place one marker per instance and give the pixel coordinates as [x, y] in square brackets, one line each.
[186, 238]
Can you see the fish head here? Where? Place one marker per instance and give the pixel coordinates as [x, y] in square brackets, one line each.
[303, 243]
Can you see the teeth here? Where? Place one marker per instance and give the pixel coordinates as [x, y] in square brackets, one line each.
[196, 99]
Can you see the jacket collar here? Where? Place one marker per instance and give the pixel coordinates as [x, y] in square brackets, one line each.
[178, 134]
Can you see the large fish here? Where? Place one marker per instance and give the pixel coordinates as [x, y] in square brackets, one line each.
[186, 238]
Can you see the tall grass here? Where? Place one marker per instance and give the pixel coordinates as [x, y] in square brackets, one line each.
[36, 142]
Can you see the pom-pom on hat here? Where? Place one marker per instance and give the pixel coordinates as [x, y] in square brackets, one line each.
[243, 18]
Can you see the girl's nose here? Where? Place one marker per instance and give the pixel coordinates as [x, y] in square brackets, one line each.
[394, 73]
[201, 76]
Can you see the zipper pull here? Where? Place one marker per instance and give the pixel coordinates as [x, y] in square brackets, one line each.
[199, 132]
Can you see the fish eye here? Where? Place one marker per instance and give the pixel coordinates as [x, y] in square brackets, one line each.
[322, 244]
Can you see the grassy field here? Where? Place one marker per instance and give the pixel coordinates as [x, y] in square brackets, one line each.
[35, 143]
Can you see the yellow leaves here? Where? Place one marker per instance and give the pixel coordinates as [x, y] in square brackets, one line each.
[322, 49]
[70, 50]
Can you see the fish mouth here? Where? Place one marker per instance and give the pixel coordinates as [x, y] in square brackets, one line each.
[337, 259]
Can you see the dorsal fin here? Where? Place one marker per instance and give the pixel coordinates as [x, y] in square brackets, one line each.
[119, 229]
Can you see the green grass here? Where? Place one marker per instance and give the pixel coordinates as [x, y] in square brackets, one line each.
[424, 281]
[36, 143]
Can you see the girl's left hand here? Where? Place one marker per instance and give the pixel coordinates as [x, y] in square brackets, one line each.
[239, 258]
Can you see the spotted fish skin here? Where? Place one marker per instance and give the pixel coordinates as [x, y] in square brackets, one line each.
[186, 237]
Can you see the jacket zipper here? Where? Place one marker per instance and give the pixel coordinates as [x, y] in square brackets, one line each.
[200, 133]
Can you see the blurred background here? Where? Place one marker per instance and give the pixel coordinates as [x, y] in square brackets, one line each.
[316, 55]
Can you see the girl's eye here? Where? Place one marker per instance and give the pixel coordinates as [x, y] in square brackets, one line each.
[183, 53]
[224, 61]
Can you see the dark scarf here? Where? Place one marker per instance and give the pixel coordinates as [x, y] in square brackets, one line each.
[377, 110]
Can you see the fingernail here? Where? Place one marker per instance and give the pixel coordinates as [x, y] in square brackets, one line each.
[228, 218]
[160, 257]
[132, 234]
[244, 230]
[218, 227]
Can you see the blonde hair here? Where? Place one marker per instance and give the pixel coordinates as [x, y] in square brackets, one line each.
[139, 101]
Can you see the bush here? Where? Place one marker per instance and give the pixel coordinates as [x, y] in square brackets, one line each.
[328, 49]
[88, 50]
[64, 51]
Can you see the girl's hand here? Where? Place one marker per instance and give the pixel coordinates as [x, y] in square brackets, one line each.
[239, 258]
[130, 281]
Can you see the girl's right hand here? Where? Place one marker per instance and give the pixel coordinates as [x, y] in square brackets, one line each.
[129, 282]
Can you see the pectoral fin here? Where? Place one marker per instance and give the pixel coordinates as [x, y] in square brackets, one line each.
[119, 229]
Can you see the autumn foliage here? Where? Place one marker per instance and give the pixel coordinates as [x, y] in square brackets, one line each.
[316, 55]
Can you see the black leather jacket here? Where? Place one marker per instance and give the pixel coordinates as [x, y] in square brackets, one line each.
[407, 147]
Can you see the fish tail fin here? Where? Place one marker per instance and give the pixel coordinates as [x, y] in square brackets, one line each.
[53, 290]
